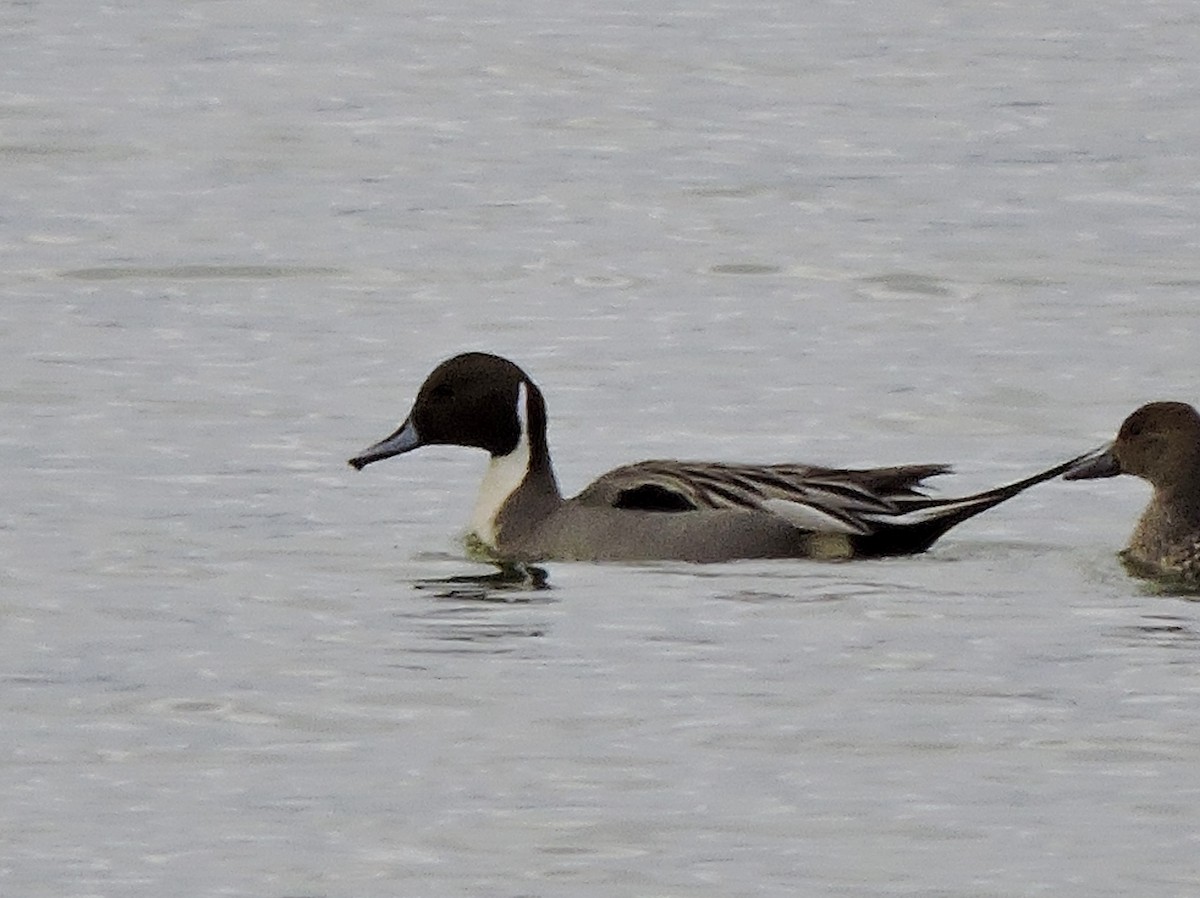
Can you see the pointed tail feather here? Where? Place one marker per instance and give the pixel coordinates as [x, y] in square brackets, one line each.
[926, 520]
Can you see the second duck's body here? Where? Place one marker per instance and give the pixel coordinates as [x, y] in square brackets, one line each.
[664, 510]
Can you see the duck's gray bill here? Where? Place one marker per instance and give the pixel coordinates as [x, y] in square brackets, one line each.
[1104, 464]
[403, 440]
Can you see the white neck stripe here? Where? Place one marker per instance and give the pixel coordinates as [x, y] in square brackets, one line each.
[504, 474]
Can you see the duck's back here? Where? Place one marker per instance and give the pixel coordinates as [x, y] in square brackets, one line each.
[677, 486]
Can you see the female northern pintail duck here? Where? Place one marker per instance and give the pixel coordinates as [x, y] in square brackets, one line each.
[1160, 442]
[664, 510]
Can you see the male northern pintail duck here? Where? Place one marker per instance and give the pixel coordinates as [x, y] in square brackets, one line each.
[664, 510]
[1160, 442]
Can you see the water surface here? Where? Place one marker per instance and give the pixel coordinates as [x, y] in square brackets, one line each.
[235, 238]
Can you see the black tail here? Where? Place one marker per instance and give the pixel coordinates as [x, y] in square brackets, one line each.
[924, 520]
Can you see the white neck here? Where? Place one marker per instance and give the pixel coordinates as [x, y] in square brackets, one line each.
[504, 474]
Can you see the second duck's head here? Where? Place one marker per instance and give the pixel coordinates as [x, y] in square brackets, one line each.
[475, 399]
[1160, 442]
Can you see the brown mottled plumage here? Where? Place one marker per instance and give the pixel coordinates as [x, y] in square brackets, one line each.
[1160, 442]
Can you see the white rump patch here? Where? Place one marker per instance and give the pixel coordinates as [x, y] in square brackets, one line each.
[809, 517]
[504, 474]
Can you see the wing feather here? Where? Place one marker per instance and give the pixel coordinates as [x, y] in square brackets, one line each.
[851, 501]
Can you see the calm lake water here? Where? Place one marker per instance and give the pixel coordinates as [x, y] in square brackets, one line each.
[234, 238]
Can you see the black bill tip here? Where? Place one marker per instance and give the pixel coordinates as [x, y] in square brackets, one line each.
[403, 440]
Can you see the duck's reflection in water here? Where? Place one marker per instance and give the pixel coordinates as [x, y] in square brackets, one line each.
[508, 584]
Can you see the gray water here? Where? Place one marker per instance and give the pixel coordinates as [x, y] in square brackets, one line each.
[234, 237]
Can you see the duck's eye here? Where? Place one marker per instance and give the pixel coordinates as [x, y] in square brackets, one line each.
[442, 393]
